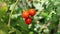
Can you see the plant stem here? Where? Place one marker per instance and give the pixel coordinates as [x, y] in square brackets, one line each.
[11, 13]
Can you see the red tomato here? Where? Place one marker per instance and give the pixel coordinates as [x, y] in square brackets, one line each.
[28, 21]
[32, 12]
[25, 14]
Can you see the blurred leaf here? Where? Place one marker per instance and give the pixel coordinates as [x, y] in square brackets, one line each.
[3, 8]
[31, 33]
[18, 32]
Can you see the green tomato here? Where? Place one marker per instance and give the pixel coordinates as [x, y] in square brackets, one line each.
[3, 8]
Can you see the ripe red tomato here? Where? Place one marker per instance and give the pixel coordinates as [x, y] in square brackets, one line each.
[28, 21]
[32, 12]
[25, 14]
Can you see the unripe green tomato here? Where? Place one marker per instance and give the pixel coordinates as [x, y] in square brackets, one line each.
[3, 8]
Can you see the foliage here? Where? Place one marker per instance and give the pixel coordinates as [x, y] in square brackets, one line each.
[45, 21]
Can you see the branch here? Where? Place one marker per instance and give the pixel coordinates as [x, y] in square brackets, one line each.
[11, 13]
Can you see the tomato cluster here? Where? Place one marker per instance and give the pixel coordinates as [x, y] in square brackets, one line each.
[27, 14]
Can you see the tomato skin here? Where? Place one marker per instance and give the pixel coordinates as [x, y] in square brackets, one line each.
[25, 14]
[28, 21]
[32, 12]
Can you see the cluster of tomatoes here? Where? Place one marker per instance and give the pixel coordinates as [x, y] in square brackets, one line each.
[28, 14]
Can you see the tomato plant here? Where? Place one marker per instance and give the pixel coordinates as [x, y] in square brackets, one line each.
[29, 16]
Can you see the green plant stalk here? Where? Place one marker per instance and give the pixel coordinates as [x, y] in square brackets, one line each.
[11, 13]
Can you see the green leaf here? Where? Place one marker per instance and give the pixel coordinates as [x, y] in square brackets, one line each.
[3, 28]
[18, 32]
[22, 24]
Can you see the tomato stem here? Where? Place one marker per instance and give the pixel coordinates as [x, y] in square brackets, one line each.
[11, 14]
